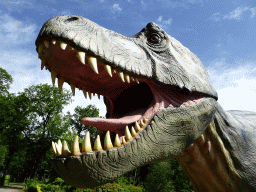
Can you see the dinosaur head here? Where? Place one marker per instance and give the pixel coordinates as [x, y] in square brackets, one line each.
[158, 96]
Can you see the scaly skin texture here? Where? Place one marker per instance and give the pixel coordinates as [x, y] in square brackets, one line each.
[160, 105]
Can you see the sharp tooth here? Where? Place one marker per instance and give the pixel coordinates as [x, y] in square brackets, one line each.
[136, 79]
[58, 149]
[145, 120]
[132, 78]
[128, 136]
[46, 43]
[90, 94]
[63, 45]
[59, 144]
[97, 144]
[117, 141]
[133, 132]
[137, 126]
[81, 56]
[54, 149]
[141, 123]
[123, 141]
[114, 70]
[87, 146]
[121, 75]
[108, 69]
[107, 141]
[42, 64]
[53, 75]
[127, 77]
[75, 150]
[54, 41]
[98, 95]
[60, 83]
[93, 63]
[84, 93]
[73, 87]
[65, 150]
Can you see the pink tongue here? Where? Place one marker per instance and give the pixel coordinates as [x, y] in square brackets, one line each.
[111, 124]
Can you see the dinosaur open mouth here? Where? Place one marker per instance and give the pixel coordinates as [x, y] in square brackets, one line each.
[131, 99]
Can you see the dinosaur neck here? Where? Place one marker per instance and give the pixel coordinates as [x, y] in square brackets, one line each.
[208, 164]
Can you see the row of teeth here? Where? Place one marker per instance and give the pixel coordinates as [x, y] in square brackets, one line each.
[125, 77]
[62, 150]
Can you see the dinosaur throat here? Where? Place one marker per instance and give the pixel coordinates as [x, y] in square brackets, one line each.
[131, 99]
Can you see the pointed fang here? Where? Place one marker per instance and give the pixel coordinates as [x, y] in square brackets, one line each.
[73, 87]
[60, 83]
[145, 120]
[136, 79]
[121, 75]
[54, 149]
[85, 95]
[54, 41]
[65, 150]
[133, 132]
[75, 150]
[128, 136]
[58, 149]
[127, 77]
[87, 146]
[107, 141]
[63, 45]
[97, 144]
[141, 123]
[42, 64]
[93, 63]
[108, 69]
[81, 56]
[137, 126]
[90, 94]
[117, 141]
[53, 76]
[123, 141]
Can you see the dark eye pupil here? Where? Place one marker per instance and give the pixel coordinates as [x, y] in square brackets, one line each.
[154, 38]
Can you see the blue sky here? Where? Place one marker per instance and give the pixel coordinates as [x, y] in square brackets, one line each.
[221, 33]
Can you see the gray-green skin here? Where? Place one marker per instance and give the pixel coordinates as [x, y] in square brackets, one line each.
[171, 130]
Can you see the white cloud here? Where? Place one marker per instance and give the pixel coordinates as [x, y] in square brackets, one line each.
[216, 16]
[236, 86]
[253, 10]
[160, 18]
[117, 8]
[13, 31]
[236, 14]
[164, 23]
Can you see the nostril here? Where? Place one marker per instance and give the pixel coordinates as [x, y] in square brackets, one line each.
[71, 19]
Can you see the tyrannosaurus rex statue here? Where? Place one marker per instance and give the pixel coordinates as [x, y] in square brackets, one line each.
[160, 105]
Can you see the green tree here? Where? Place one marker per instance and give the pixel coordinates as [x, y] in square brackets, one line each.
[29, 122]
[167, 176]
[13, 113]
[79, 113]
[45, 122]
[5, 81]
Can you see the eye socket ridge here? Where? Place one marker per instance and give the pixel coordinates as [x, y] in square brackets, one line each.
[154, 38]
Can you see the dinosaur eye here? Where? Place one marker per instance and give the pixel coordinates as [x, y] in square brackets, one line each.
[154, 38]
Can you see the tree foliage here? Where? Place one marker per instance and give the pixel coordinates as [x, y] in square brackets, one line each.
[167, 176]
[75, 119]
[5, 81]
